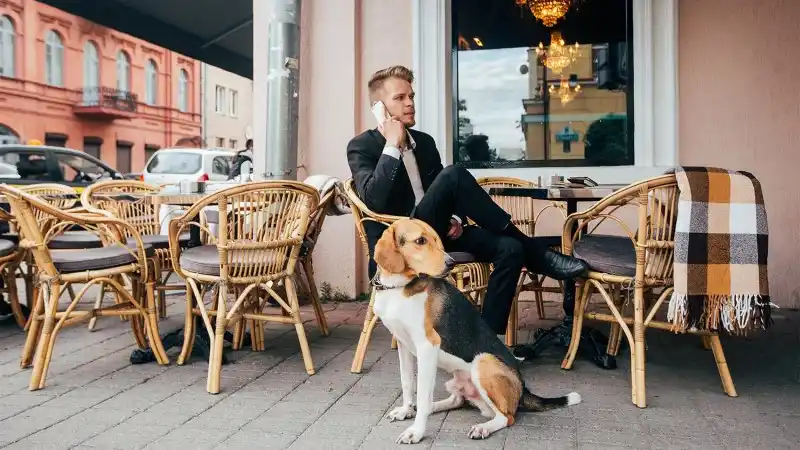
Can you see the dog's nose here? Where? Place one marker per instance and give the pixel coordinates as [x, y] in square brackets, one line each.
[449, 263]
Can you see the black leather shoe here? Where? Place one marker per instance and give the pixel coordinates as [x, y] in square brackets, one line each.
[561, 267]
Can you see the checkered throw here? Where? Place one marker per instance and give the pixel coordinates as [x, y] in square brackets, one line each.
[720, 267]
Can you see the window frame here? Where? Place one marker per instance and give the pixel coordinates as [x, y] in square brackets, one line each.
[233, 103]
[91, 64]
[8, 53]
[151, 82]
[655, 90]
[183, 91]
[123, 71]
[53, 58]
[220, 102]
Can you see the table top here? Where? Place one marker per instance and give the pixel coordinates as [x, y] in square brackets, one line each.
[559, 193]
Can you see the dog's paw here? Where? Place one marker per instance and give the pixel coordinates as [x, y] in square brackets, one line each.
[412, 435]
[401, 413]
[479, 431]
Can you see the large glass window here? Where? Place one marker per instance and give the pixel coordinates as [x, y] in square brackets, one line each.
[150, 83]
[183, 91]
[533, 95]
[7, 50]
[54, 59]
[123, 72]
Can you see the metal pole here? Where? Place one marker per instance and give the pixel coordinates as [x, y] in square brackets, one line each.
[283, 90]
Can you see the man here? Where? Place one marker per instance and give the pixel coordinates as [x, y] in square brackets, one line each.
[398, 171]
[242, 162]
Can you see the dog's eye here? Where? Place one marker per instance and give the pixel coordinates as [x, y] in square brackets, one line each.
[420, 240]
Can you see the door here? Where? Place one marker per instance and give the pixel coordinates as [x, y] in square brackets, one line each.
[124, 155]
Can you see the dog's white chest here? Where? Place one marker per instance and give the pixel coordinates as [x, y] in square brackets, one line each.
[403, 316]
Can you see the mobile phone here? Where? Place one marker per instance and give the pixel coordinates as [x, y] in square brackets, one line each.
[379, 111]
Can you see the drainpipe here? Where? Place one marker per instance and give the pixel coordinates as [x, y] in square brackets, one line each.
[283, 91]
[203, 104]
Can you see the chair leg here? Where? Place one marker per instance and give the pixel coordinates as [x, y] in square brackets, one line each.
[370, 319]
[10, 280]
[722, 366]
[584, 290]
[294, 302]
[188, 327]
[615, 336]
[217, 340]
[137, 322]
[394, 343]
[46, 340]
[98, 303]
[34, 330]
[322, 322]
[151, 325]
[706, 342]
[639, 393]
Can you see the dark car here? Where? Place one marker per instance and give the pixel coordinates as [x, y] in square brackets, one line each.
[33, 164]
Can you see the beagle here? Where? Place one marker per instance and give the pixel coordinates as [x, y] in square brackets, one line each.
[435, 322]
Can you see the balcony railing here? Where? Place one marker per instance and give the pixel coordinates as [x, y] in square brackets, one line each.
[107, 102]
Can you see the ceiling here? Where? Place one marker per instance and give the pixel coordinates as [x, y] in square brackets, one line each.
[217, 32]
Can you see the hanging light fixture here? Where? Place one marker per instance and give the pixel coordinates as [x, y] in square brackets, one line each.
[567, 90]
[558, 56]
[548, 11]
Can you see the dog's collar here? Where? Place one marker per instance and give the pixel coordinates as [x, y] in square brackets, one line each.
[376, 282]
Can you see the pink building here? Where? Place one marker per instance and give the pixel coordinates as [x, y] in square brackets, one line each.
[69, 82]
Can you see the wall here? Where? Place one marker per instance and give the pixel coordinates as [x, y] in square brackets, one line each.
[739, 109]
[224, 125]
[31, 108]
[346, 44]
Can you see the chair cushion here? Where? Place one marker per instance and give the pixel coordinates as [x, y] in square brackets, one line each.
[160, 241]
[80, 260]
[614, 255]
[13, 237]
[74, 240]
[7, 247]
[462, 257]
[205, 258]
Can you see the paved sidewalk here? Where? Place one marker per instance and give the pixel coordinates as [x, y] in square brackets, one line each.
[96, 400]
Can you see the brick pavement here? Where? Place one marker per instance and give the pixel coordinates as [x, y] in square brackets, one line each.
[96, 400]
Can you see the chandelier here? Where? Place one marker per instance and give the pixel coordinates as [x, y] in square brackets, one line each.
[566, 91]
[548, 11]
[558, 56]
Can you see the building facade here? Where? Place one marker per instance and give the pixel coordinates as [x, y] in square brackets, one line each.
[706, 88]
[227, 108]
[68, 82]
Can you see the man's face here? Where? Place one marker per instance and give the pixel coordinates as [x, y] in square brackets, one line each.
[398, 96]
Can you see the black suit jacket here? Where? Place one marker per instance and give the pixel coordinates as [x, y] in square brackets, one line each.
[381, 180]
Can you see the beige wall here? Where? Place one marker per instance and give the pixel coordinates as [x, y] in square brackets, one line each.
[226, 126]
[738, 108]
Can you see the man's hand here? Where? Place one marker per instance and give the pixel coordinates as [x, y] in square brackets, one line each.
[455, 229]
[394, 131]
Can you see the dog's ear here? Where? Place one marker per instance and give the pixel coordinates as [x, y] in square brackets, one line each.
[387, 255]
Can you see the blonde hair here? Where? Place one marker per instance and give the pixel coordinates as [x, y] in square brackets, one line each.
[378, 78]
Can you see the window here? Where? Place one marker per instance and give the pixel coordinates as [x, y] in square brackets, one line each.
[183, 91]
[53, 59]
[123, 72]
[124, 156]
[55, 139]
[7, 50]
[221, 165]
[234, 143]
[8, 136]
[91, 74]
[92, 146]
[78, 169]
[180, 163]
[149, 151]
[219, 107]
[233, 107]
[28, 165]
[514, 111]
[221, 142]
[150, 83]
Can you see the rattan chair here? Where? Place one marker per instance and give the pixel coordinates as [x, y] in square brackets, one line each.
[641, 262]
[143, 214]
[258, 243]
[524, 216]
[58, 269]
[470, 277]
[10, 258]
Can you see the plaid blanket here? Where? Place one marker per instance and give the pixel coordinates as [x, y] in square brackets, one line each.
[720, 267]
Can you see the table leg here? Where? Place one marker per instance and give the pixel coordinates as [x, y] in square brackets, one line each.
[593, 345]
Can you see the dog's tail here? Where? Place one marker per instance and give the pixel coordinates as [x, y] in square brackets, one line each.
[533, 403]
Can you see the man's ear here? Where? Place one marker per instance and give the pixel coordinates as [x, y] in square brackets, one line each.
[387, 254]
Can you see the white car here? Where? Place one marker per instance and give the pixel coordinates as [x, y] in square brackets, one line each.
[173, 165]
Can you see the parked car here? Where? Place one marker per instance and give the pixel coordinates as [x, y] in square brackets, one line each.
[173, 165]
[33, 164]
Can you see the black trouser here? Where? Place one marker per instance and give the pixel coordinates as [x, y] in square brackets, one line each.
[455, 191]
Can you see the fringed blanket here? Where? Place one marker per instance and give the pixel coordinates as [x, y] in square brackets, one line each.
[325, 184]
[720, 252]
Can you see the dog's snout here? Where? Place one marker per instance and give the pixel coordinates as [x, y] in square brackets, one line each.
[449, 262]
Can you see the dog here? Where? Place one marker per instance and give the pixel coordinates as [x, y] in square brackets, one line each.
[432, 320]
